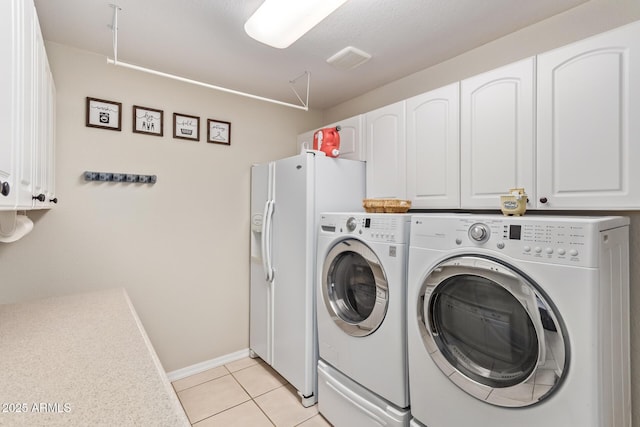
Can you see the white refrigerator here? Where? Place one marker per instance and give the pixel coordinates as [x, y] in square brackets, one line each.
[287, 197]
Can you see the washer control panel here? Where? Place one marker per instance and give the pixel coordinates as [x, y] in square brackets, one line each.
[388, 228]
[479, 232]
[557, 240]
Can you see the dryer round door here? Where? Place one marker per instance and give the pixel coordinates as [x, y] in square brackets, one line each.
[354, 287]
[492, 331]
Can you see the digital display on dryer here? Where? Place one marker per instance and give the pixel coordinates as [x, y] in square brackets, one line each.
[515, 231]
[367, 222]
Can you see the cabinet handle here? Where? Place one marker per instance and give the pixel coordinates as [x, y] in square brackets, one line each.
[5, 189]
[543, 200]
[40, 197]
[54, 200]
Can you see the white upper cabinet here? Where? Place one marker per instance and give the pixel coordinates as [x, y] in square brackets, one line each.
[386, 152]
[27, 114]
[10, 114]
[433, 148]
[497, 139]
[565, 126]
[589, 123]
[351, 146]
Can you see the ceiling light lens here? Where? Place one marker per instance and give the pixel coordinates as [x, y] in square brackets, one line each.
[279, 23]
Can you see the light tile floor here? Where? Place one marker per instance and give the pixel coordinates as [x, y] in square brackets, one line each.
[244, 393]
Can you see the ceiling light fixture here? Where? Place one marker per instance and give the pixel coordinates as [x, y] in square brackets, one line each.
[279, 23]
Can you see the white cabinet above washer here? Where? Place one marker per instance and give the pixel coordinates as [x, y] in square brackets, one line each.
[386, 152]
[497, 136]
[433, 148]
[589, 123]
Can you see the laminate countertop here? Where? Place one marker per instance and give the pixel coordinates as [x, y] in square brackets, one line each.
[81, 360]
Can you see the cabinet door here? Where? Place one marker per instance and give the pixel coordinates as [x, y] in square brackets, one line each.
[10, 78]
[40, 110]
[386, 152]
[497, 134]
[29, 108]
[433, 148]
[351, 146]
[589, 123]
[51, 141]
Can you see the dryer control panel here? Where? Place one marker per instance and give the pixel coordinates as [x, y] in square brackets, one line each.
[387, 228]
[556, 240]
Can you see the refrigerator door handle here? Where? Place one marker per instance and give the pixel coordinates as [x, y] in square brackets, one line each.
[266, 240]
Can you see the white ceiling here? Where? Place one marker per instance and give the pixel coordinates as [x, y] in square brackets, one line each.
[205, 40]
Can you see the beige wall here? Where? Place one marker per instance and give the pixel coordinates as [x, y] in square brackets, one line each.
[179, 247]
[583, 21]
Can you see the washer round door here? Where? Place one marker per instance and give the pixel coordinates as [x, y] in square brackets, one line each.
[492, 331]
[354, 287]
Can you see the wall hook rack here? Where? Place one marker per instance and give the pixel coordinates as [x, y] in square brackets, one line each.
[119, 177]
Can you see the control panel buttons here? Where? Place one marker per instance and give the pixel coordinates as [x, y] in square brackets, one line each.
[537, 249]
[500, 245]
[458, 241]
[479, 232]
[549, 250]
[561, 251]
[527, 249]
[573, 252]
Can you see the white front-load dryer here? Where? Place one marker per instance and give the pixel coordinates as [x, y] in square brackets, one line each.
[361, 318]
[519, 321]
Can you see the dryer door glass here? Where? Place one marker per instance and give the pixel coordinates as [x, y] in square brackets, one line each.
[354, 287]
[485, 330]
[492, 331]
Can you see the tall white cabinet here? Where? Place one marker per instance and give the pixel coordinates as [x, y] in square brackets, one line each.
[497, 134]
[433, 148]
[589, 123]
[386, 152]
[27, 114]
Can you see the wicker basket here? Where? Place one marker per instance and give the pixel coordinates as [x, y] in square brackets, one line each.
[386, 205]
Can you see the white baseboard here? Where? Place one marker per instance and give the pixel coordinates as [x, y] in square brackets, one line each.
[207, 364]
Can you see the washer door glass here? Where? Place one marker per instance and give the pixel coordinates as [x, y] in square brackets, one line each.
[491, 331]
[354, 287]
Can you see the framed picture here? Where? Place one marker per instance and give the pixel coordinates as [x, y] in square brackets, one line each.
[218, 132]
[186, 127]
[147, 120]
[103, 114]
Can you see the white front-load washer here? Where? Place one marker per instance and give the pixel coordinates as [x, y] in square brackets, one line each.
[361, 318]
[519, 321]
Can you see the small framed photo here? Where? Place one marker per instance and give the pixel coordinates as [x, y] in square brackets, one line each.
[147, 120]
[218, 132]
[104, 114]
[186, 127]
